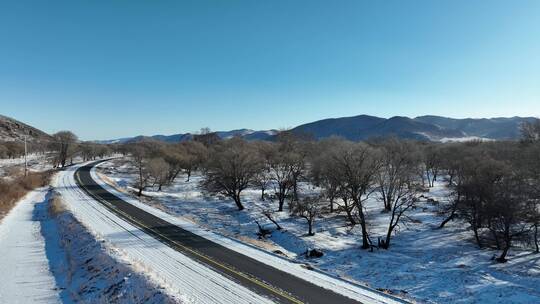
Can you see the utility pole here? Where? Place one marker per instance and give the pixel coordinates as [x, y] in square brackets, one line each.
[25, 159]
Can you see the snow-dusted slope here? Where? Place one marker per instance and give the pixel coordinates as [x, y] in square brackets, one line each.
[24, 269]
[184, 278]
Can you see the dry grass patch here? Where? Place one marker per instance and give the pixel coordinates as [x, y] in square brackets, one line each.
[13, 190]
[56, 205]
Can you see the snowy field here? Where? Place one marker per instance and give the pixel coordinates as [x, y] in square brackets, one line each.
[12, 166]
[425, 264]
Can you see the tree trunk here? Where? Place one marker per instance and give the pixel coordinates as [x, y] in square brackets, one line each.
[262, 194]
[476, 236]
[238, 202]
[536, 237]
[140, 192]
[310, 227]
[387, 204]
[348, 211]
[391, 226]
[365, 240]
[281, 196]
[386, 244]
[269, 216]
[452, 214]
[502, 257]
[295, 189]
[496, 238]
[281, 199]
[446, 220]
[174, 176]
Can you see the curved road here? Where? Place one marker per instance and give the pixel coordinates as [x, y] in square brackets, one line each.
[273, 283]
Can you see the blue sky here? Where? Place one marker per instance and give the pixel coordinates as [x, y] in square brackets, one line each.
[115, 68]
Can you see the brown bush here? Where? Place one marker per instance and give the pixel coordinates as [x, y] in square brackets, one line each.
[56, 205]
[13, 190]
[35, 180]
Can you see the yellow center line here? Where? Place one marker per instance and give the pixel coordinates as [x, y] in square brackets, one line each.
[200, 255]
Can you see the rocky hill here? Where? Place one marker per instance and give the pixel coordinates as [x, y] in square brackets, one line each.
[11, 129]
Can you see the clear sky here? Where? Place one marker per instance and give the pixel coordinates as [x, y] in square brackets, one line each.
[113, 68]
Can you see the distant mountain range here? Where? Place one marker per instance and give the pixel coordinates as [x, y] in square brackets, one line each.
[432, 128]
[362, 127]
[244, 133]
[11, 129]
[356, 128]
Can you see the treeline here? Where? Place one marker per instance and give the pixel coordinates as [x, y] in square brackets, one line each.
[15, 149]
[65, 147]
[494, 184]
[62, 148]
[496, 190]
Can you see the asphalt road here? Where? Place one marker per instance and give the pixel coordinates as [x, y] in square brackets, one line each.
[273, 283]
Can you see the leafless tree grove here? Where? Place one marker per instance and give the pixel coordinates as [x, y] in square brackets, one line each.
[494, 185]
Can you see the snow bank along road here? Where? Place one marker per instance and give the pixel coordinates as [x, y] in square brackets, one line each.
[25, 276]
[210, 271]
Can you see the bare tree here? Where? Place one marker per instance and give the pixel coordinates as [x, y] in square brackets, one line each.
[323, 173]
[139, 159]
[495, 189]
[432, 163]
[296, 146]
[158, 169]
[396, 182]
[398, 163]
[309, 208]
[230, 169]
[261, 180]
[530, 131]
[64, 144]
[194, 155]
[506, 210]
[207, 137]
[281, 169]
[174, 157]
[460, 162]
[359, 164]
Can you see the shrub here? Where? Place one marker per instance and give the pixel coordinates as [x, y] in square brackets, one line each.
[13, 190]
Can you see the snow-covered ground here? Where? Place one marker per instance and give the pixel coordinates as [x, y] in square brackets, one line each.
[51, 258]
[301, 270]
[89, 272]
[181, 277]
[36, 162]
[425, 264]
[24, 266]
